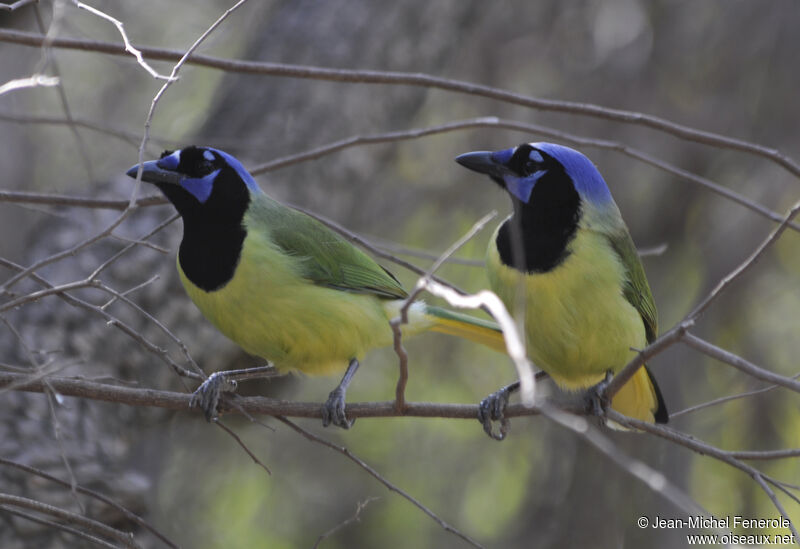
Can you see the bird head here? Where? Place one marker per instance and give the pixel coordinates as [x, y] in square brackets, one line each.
[202, 183]
[522, 169]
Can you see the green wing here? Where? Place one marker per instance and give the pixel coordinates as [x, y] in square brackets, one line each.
[636, 289]
[326, 258]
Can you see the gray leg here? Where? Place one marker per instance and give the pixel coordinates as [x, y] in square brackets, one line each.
[333, 410]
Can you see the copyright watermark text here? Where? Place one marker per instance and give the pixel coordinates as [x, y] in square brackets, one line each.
[700, 522]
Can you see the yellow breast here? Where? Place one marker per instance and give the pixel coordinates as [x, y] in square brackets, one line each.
[578, 323]
[272, 312]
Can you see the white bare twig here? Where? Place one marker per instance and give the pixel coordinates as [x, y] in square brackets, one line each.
[514, 343]
[128, 46]
[33, 81]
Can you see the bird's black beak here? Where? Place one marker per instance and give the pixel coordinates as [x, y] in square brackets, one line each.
[482, 162]
[153, 173]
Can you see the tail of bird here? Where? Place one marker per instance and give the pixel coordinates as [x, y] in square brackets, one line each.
[475, 329]
[640, 398]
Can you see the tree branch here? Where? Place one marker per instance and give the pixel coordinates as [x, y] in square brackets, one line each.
[422, 80]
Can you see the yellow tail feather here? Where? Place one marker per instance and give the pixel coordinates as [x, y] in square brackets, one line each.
[638, 398]
[474, 329]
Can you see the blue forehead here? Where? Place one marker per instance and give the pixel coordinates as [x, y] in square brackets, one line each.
[170, 162]
[585, 176]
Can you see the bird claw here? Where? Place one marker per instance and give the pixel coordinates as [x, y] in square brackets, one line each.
[207, 396]
[333, 411]
[597, 400]
[493, 408]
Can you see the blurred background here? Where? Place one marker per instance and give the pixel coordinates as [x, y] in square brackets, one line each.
[729, 67]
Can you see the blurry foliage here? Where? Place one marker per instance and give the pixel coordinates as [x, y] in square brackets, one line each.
[724, 66]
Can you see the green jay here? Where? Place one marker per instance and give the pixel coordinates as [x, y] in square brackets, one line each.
[565, 262]
[281, 284]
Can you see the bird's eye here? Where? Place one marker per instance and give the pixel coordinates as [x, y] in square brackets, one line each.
[530, 167]
[526, 161]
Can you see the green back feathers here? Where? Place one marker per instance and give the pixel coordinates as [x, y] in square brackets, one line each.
[635, 286]
[325, 258]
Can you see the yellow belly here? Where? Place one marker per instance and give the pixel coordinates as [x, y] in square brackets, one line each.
[271, 312]
[578, 323]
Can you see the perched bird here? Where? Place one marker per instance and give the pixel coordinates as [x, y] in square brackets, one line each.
[280, 283]
[565, 259]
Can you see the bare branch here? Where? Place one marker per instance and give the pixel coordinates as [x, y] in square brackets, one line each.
[429, 81]
[490, 122]
[766, 454]
[739, 363]
[136, 396]
[16, 5]
[727, 398]
[20, 197]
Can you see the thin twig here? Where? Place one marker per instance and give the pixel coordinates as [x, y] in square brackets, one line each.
[242, 445]
[652, 478]
[91, 493]
[739, 363]
[747, 263]
[129, 291]
[62, 96]
[58, 526]
[380, 478]
[728, 398]
[355, 518]
[131, 138]
[90, 525]
[113, 321]
[128, 46]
